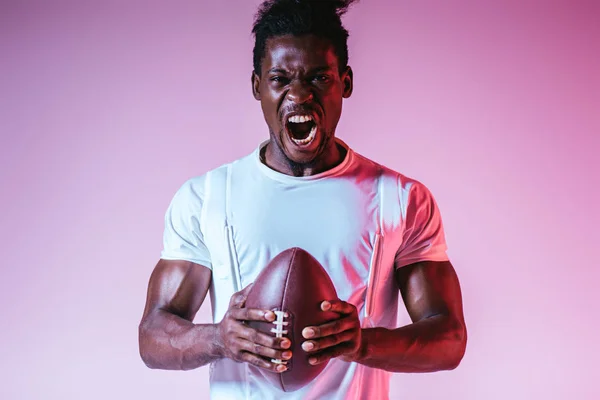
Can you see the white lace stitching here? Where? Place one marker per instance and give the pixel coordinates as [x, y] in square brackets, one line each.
[279, 331]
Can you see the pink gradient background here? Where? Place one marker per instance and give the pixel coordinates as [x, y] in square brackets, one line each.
[106, 107]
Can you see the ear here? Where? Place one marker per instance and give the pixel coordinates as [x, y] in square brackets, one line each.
[255, 85]
[347, 81]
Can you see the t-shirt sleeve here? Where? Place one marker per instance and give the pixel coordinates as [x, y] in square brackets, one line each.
[423, 236]
[182, 237]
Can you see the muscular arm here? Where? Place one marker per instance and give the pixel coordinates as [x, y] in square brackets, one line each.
[168, 338]
[436, 339]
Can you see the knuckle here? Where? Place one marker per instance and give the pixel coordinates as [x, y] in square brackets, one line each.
[256, 361]
[235, 355]
[250, 334]
[240, 299]
[254, 336]
[337, 325]
[231, 344]
[243, 314]
[337, 353]
[335, 339]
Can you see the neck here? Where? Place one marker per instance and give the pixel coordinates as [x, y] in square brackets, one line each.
[274, 158]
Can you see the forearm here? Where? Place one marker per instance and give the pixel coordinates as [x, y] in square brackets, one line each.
[168, 341]
[433, 344]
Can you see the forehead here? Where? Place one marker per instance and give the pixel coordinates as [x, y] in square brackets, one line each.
[294, 53]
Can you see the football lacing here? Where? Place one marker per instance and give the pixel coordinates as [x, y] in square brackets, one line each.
[279, 323]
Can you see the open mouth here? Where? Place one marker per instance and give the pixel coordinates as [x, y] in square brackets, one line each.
[302, 129]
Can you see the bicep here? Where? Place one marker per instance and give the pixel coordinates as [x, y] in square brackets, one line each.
[178, 287]
[430, 288]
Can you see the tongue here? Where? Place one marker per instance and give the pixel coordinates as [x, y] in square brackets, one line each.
[301, 130]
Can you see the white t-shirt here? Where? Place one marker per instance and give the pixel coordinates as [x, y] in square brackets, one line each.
[360, 220]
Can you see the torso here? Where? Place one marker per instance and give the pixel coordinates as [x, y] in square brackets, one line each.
[335, 216]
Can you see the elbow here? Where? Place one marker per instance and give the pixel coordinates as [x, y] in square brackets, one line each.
[458, 347]
[145, 347]
[147, 359]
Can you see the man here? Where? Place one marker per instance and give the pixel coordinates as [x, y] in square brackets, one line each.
[377, 233]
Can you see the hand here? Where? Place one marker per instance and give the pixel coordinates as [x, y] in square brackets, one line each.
[339, 338]
[241, 343]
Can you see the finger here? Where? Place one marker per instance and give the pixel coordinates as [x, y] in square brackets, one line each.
[252, 314]
[338, 306]
[255, 336]
[328, 329]
[327, 355]
[327, 342]
[238, 299]
[263, 351]
[260, 362]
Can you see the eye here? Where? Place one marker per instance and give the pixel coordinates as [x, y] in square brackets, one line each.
[278, 79]
[321, 78]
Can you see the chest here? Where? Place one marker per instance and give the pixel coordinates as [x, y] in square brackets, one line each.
[334, 222]
[338, 222]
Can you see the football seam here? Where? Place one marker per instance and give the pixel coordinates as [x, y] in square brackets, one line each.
[285, 287]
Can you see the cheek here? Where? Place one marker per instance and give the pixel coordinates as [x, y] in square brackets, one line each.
[334, 110]
[269, 106]
[268, 110]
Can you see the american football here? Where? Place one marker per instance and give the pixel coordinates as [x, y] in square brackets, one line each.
[293, 284]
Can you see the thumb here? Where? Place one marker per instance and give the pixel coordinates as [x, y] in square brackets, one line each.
[239, 298]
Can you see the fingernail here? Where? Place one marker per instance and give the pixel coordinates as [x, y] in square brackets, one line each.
[286, 355]
[308, 333]
[312, 361]
[270, 316]
[281, 368]
[325, 305]
[308, 346]
[285, 343]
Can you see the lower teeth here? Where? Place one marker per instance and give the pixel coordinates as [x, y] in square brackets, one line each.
[308, 139]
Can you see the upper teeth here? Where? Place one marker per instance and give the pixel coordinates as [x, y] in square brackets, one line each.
[298, 119]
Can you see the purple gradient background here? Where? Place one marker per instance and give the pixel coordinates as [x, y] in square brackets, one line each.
[106, 107]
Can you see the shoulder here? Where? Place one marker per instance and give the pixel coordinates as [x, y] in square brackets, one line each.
[192, 190]
[409, 191]
[197, 186]
[404, 182]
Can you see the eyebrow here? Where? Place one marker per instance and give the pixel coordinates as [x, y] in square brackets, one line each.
[312, 71]
[277, 71]
[321, 69]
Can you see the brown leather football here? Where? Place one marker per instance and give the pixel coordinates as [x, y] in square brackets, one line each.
[295, 283]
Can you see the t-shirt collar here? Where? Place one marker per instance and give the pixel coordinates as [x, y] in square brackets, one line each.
[337, 170]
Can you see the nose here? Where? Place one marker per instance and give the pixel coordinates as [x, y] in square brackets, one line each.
[298, 93]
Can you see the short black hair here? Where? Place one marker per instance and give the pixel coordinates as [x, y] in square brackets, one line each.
[321, 18]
